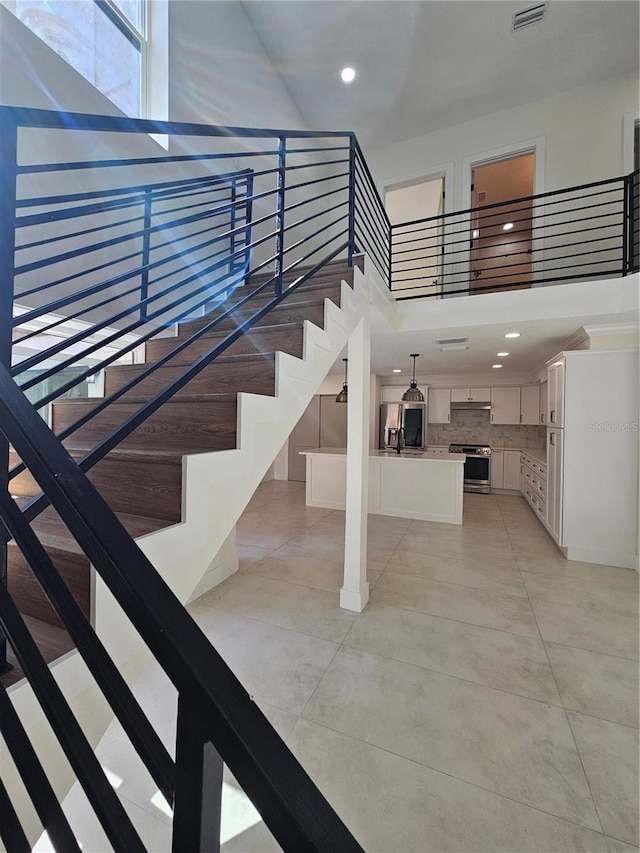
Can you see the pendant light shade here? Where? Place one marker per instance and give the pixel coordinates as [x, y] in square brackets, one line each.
[413, 394]
[343, 395]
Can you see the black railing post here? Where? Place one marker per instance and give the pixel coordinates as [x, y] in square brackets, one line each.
[146, 251]
[8, 187]
[627, 238]
[198, 793]
[352, 200]
[390, 256]
[232, 225]
[282, 165]
[248, 213]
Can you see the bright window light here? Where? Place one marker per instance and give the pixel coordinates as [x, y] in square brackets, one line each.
[348, 75]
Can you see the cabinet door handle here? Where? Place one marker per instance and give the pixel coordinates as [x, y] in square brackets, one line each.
[551, 438]
[552, 416]
[520, 417]
[491, 417]
[541, 419]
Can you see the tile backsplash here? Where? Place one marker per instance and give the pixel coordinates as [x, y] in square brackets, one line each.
[469, 427]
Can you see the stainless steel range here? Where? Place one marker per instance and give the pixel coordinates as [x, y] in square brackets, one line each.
[477, 466]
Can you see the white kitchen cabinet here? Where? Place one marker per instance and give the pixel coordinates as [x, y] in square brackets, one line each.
[530, 404]
[544, 400]
[439, 407]
[511, 472]
[555, 455]
[496, 469]
[470, 395]
[533, 484]
[505, 405]
[555, 388]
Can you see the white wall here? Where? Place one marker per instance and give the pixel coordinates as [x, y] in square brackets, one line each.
[583, 131]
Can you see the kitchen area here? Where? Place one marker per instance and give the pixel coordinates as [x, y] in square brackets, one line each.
[568, 444]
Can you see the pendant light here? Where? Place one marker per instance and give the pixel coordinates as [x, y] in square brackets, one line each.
[343, 395]
[413, 394]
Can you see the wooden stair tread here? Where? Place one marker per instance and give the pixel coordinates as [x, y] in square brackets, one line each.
[52, 641]
[249, 357]
[190, 398]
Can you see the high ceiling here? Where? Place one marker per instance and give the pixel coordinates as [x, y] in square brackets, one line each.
[430, 64]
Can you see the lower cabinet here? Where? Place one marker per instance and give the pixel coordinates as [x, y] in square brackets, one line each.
[505, 470]
[533, 485]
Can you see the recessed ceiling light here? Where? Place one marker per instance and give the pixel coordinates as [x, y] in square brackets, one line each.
[496, 366]
[507, 226]
[512, 335]
[502, 354]
[397, 370]
[348, 75]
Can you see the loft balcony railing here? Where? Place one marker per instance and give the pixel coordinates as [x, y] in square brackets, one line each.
[575, 234]
[106, 243]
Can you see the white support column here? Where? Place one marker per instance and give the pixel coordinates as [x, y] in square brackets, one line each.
[355, 590]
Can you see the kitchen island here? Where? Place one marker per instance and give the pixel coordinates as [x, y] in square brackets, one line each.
[422, 485]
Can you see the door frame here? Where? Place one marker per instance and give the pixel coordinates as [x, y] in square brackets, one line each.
[442, 170]
[536, 146]
[629, 122]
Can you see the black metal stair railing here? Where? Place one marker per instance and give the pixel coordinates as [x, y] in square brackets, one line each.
[574, 234]
[217, 720]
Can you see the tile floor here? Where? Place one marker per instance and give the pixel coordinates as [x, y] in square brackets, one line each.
[485, 700]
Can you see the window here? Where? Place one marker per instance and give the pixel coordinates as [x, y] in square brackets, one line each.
[104, 40]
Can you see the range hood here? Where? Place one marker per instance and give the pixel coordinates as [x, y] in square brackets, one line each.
[471, 404]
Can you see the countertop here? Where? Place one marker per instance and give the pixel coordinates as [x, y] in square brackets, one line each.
[436, 455]
[538, 454]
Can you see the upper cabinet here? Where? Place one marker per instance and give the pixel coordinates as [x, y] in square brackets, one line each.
[530, 404]
[544, 398]
[470, 395]
[505, 405]
[439, 409]
[555, 402]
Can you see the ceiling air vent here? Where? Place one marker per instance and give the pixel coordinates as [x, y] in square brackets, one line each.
[453, 343]
[528, 16]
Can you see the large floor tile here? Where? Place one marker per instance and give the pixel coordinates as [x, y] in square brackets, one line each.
[558, 566]
[394, 805]
[481, 575]
[616, 846]
[469, 551]
[594, 595]
[277, 666]
[610, 756]
[595, 684]
[486, 656]
[505, 743]
[588, 629]
[288, 605]
[466, 604]
[312, 571]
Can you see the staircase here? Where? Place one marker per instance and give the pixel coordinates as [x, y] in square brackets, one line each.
[142, 479]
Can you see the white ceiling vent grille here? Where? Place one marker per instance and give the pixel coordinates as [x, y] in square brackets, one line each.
[528, 16]
[453, 343]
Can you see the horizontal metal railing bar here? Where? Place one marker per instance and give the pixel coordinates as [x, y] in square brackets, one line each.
[22, 247]
[548, 221]
[11, 831]
[139, 161]
[291, 805]
[315, 165]
[134, 722]
[324, 180]
[315, 234]
[364, 186]
[374, 249]
[497, 204]
[316, 150]
[79, 754]
[364, 192]
[470, 222]
[299, 222]
[34, 778]
[374, 241]
[542, 227]
[469, 290]
[71, 121]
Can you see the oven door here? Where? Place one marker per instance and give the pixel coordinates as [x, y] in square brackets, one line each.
[477, 470]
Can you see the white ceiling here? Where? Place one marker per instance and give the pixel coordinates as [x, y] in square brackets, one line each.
[422, 66]
[430, 64]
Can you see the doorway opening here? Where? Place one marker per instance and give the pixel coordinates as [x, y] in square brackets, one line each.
[417, 250]
[502, 237]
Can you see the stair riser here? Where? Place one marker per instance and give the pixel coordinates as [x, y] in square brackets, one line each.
[178, 426]
[256, 376]
[286, 340]
[155, 486]
[301, 294]
[282, 314]
[27, 593]
[329, 273]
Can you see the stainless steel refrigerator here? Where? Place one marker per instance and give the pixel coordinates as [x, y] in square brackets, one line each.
[404, 421]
